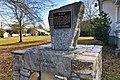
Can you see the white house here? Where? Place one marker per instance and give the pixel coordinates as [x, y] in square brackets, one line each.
[5, 34]
[112, 7]
[15, 35]
[42, 32]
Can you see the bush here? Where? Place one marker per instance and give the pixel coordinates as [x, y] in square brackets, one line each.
[101, 27]
[1, 33]
[84, 33]
[1, 36]
[85, 29]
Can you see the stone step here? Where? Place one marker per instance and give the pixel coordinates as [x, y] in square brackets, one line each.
[85, 66]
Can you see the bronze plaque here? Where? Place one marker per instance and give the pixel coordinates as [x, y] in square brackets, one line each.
[62, 20]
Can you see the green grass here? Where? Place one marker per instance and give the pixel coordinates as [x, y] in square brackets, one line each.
[11, 40]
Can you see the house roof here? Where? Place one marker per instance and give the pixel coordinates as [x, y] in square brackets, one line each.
[41, 30]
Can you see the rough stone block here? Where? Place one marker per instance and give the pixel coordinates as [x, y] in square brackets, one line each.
[65, 25]
[25, 72]
[32, 61]
[17, 62]
[85, 66]
[24, 78]
[56, 64]
[16, 77]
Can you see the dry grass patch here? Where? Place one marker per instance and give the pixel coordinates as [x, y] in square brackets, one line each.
[10, 44]
[111, 64]
[14, 40]
[89, 41]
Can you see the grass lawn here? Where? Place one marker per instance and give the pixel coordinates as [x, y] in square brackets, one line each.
[12, 43]
[111, 64]
[11, 40]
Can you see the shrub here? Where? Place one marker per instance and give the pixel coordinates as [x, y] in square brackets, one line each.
[1, 33]
[85, 29]
[84, 33]
[101, 27]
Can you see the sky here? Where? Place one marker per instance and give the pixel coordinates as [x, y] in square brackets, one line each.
[58, 3]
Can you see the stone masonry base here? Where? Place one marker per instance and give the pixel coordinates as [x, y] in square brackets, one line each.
[85, 64]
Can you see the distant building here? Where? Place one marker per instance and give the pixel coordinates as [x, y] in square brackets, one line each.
[15, 35]
[5, 34]
[26, 34]
[42, 32]
[37, 32]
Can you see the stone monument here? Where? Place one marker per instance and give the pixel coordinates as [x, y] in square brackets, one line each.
[63, 59]
[65, 26]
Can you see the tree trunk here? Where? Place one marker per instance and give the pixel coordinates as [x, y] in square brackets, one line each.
[20, 32]
[20, 36]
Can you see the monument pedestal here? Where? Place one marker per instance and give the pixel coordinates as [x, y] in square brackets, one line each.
[63, 59]
[83, 63]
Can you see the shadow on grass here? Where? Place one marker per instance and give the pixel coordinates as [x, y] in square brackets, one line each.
[90, 42]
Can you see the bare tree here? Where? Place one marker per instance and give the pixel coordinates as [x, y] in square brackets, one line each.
[91, 9]
[26, 11]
